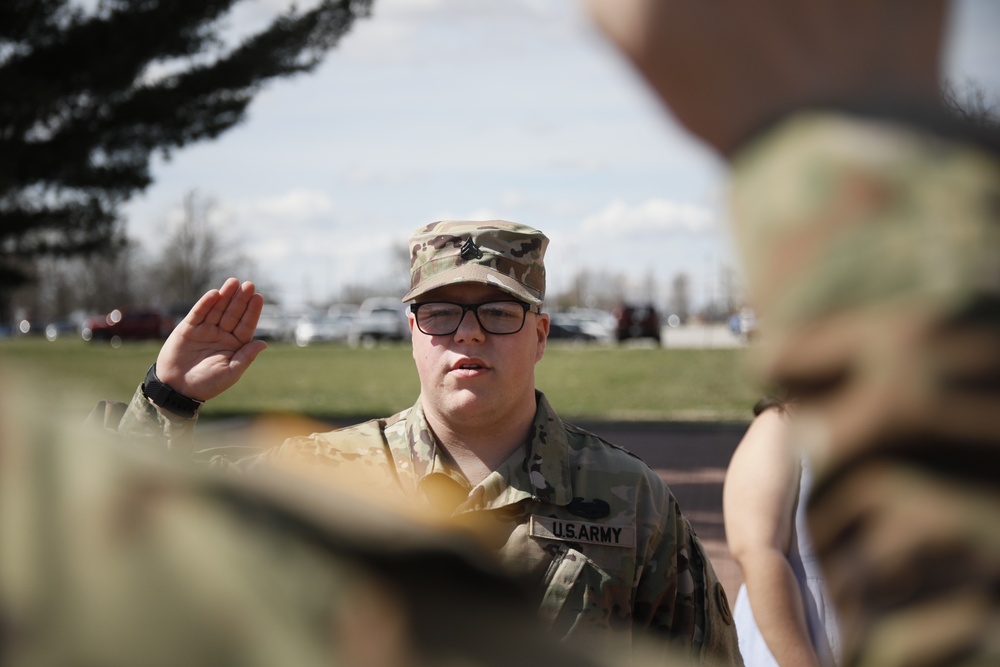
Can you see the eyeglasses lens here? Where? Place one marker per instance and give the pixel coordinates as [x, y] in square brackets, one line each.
[442, 319]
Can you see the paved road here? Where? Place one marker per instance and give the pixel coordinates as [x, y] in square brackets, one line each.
[700, 336]
[692, 459]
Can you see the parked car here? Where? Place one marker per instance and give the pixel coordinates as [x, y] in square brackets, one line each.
[746, 324]
[129, 324]
[596, 322]
[562, 327]
[325, 327]
[274, 324]
[62, 328]
[637, 321]
[379, 318]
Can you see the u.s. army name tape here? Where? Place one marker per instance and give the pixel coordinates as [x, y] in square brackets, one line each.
[582, 531]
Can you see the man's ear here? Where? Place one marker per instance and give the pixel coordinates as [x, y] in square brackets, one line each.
[542, 330]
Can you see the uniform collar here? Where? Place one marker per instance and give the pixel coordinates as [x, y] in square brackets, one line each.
[537, 471]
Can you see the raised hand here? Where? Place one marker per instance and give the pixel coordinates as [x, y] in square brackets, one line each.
[213, 345]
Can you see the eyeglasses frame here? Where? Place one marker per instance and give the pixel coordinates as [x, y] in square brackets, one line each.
[474, 308]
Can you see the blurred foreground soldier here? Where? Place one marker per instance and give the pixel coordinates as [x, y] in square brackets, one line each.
[590, 529]
[869, 222]
[112, 555]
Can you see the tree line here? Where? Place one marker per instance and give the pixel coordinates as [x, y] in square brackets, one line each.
[90, 92]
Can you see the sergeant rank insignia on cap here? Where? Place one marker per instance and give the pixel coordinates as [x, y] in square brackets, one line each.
[470, 250]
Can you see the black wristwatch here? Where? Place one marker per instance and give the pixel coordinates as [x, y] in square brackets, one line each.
[162, 396]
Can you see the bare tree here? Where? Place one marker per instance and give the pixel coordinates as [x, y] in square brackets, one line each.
[399, 269]
[680, 296]
[83, 109]
[95, 283]
[971, 104]
[730, 290]
[591, 289]
[395, 281]
[650, 288]
[196, 257]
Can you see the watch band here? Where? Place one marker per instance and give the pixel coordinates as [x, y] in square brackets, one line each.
[162, 396]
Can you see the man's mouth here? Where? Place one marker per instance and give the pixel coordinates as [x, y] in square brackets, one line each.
[470, 365]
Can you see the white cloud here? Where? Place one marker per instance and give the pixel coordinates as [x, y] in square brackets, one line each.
[437, 9]
[363, 175]
[295, 205]
[654, 216]
[270, 250]
[580, 163]
[415, 32]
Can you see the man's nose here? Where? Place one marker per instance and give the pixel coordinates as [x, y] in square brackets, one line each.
[469, 327]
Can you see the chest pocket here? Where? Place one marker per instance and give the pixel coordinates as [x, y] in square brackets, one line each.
[581, 598]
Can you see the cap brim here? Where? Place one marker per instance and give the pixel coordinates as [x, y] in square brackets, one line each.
[476, 273]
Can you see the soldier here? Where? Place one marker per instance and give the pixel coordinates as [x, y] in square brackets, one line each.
[591, 529]
[869, 223]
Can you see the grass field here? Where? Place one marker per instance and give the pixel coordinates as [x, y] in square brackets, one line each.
[337, 382]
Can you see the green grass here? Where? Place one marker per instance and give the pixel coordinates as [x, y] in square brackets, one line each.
[337, 382]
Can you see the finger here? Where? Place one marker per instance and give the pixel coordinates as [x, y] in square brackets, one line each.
[200, 310]
[237, 308]
[247, 324]
[226, 292]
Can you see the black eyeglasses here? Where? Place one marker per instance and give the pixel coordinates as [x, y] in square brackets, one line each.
[441, 318]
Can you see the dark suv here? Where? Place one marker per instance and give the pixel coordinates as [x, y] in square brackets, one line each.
[637, 321]
[119, 325]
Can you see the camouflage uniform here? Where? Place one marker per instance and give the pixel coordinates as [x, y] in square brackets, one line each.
[114, 555]
[873, 255]
[587, 526]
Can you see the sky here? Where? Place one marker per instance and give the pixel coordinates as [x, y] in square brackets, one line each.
[472, 109]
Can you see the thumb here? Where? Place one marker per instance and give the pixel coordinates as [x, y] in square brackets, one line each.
[246, 355]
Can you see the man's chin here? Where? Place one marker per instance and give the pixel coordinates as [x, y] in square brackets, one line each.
[468, 403]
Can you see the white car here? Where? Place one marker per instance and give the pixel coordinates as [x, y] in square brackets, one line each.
[380, 318]
[274, 324]
[323, 328]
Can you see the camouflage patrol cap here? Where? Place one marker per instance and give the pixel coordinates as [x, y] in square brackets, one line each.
[503, 254]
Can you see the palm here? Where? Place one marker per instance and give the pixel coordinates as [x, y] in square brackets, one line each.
[213, 345]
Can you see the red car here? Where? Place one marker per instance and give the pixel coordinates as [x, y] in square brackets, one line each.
[119, 325]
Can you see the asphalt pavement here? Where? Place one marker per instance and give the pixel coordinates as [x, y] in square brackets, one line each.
[701, 336]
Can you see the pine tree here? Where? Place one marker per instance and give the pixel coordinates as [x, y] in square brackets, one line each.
[88, 96]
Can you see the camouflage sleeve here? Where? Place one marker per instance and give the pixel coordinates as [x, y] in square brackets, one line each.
[679, 596]
[872, 251]
[141, 421]
[719, 644]
[117, 556]
[869, 246]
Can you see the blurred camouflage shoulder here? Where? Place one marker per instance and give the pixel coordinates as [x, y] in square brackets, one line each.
[872, 248]
[118, 555]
